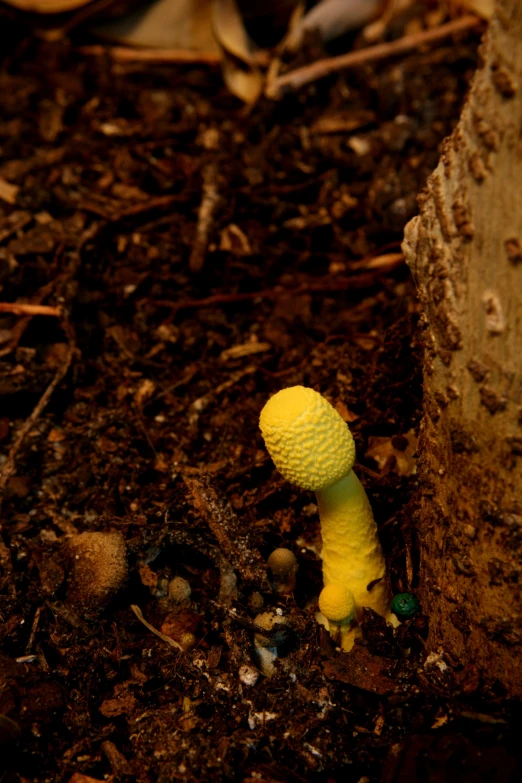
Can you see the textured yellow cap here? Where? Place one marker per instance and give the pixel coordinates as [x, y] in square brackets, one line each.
[337, 603]
[308, 440]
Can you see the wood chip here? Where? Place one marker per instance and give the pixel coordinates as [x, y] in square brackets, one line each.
[228, 529]
[246, 349]
[8, 192]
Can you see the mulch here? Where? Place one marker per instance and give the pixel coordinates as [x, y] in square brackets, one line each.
[155, 374]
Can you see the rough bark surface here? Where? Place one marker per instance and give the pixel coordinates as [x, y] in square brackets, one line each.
[465, 252]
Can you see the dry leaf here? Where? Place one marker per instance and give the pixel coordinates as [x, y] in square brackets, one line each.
[332, 18]
[392, 8]
[345, 413]
[397, 453]
[240, 71]
[483, 8]
[170, 24]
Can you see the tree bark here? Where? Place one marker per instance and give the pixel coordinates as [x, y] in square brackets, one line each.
[465, 252]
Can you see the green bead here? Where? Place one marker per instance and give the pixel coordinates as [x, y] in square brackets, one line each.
[404, 605]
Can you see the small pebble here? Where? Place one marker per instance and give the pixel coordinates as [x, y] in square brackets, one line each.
[248, 675]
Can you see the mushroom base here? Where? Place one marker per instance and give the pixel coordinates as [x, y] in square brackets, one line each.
[352, 554]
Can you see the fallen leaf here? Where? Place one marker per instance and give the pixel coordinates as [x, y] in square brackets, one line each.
[170, 24]
[392, 8]
[333, 18]
[345, 413]
[397, 452]
[483, 8]
[240, 71]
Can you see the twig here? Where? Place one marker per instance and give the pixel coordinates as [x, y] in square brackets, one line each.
[19, 308]
[125, 54]
[227, 528]
[318, 70]
[9, 464]
[22, 324]
[139, 614]
[70, 270]
[13, 223]
[34, 629]
[134, 210]
[209, 203]
[6, 564]
[319, 285]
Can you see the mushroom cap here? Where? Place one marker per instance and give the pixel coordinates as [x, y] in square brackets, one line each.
[282, 562]
[337, 603]
[404, 605]
[266, 621]
[179, 590]
[307, 439]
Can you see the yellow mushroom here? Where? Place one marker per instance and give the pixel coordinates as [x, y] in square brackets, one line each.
[337, 604]
[313, 448]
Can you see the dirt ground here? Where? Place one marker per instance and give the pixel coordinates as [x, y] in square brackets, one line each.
[156, 375]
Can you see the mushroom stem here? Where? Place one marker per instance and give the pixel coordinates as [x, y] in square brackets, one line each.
[351, 553]
[347, 632]
[337, 605]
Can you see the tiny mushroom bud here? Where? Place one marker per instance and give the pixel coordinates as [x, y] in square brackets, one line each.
[187, 640]
[405, 606]
[179, 590]
[267, 646]
[313, 448]
[337, 604]
[256, 601]
[283, 565]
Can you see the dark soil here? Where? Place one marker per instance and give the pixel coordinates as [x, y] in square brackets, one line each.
[152, 432]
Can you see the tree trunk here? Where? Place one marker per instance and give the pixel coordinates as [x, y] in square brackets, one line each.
[465, 252]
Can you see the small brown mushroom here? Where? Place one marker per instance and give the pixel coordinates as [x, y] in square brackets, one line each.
[266, 647]
[283, 566]
[179, 590]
